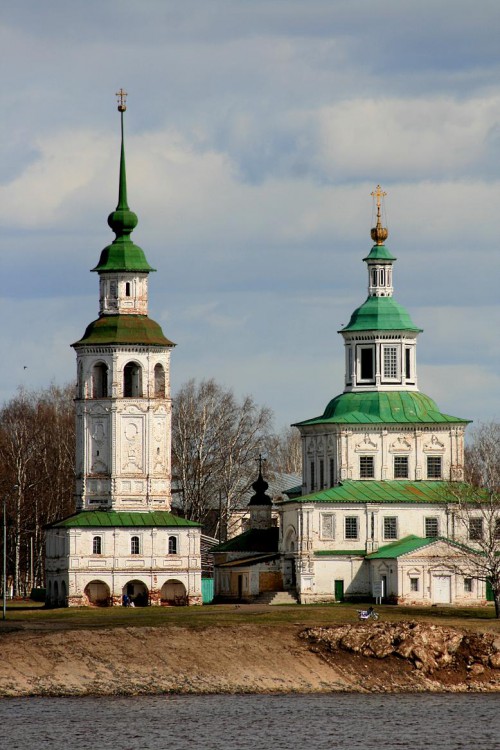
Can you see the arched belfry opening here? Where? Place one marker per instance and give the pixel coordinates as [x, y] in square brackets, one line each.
[132, 380]
[159, 381]
[100, 380]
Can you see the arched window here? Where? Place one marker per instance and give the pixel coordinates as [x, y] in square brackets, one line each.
[172, 545]
[132, 380]
[127, 289]
[100, 380]
[134, 545]
[97, 545]
[159, 381]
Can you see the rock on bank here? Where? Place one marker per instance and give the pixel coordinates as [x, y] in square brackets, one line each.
[244, 658]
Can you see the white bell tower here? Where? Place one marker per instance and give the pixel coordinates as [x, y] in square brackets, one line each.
[123, 405]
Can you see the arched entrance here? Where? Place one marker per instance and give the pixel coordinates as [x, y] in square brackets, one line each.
[55, 600]
[137, 593]
[173, 592]
[97, 592]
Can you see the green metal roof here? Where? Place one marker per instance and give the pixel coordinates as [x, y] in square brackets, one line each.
[402, 547]
[110, 518]
[124, 329]
[381, 314]
[380, 252]
[253, 540]
[395, 491]
[381, 407]
[123, 255]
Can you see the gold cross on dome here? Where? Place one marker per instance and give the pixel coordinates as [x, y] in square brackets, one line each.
[121, 98]
[378, 193]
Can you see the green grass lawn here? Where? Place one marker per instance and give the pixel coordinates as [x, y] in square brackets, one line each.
[30, 615]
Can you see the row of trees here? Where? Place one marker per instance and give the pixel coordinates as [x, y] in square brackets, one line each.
[215, 441]
[36, 476]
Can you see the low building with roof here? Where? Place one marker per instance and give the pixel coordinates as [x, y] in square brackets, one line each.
[123, 544]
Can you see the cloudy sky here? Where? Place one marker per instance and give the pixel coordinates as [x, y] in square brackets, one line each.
[255, 132]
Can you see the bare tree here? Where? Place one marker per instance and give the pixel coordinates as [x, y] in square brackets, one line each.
[284, 452]
[476, 511]
[215, 439]
[37, 476]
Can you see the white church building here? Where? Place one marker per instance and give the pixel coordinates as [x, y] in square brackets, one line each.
[373, 517]
[123, 544]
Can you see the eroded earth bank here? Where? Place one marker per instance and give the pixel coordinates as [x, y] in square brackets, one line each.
[375, 657]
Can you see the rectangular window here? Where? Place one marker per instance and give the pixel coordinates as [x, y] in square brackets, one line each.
[321, 474]
[366, 363]
[431, 527]
[327, 526]
[351, 527]
[434, 467]
[97, 545]
[313, 485]
[332, 478]
[468, 585]
[390, 527]
[408, 363]
[366, 467]
[390, 362]
[413, 584]
[401, 470]
[475, 529]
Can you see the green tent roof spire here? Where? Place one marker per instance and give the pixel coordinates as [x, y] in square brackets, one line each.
[122, 254]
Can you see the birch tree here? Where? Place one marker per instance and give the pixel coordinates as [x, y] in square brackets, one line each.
[476, 511]
[215, 441]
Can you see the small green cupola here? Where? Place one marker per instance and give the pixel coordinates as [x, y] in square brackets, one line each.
[123, 255]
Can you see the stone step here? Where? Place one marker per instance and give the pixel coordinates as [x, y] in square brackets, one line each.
[277, 597]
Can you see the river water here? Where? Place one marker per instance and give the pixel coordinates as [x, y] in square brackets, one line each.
[253, 722]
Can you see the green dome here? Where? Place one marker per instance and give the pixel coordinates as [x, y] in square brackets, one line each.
[372, 407]
[381, 314]
[123, 255]
[124, 329]
[380, 253]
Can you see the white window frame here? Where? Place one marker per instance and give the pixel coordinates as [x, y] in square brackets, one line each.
[431, 519]
[396, 378]
[359, 349]
[468, 585]
[176, 538]
[95, 537]
[476, 534]
[139, 544]
[434, 458]
[372, 475]
[386, 537]
[407, 475]
[414, 584]
[347, 537]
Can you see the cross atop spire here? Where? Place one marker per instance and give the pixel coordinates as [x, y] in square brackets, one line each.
[121, 98]
[379, 233]
[260, 460]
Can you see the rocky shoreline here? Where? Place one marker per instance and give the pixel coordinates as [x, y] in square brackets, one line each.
[249, 658]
